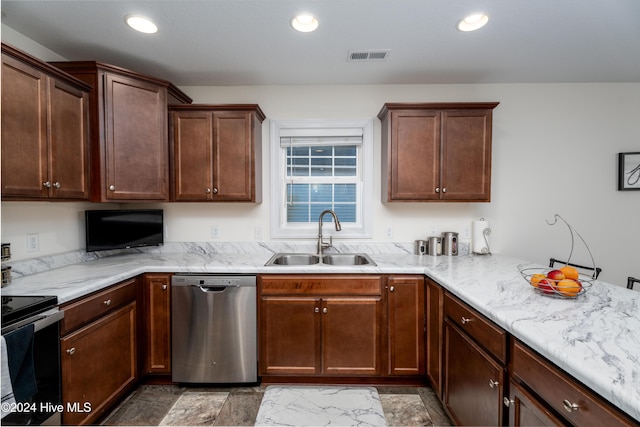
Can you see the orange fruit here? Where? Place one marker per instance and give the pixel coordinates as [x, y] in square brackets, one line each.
[568, 287]
[535, 279]
[570, 272]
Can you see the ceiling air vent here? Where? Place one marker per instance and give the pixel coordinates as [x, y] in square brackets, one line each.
[368, 55]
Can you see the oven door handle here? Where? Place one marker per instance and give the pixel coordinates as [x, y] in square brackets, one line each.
[39, 321]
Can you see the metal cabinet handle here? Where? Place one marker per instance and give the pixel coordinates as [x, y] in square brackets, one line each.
[391, 289]
[56, 184]
[164, 287]
[71, 350]
[208, 190]
[444, 190]
[508, 402]
[215, 190]
[47, 184]
[107, 302]
[493, 384]
[112, 187]
[324, 310]
[570, 407]
[437, 189]
[465, 320]
[316, 310]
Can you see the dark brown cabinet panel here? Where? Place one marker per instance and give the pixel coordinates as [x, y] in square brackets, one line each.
[435, 331]
[129, 132]
[44, 131]
[157, 320]
[473, 381]
[318, 326]
[524, 410]
[406, 325]
[217, 153]
[436, 152]
[98, 365]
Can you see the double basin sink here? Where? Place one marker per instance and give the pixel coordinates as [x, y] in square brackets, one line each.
[297, 259]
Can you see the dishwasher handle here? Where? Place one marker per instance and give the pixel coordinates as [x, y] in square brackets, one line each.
[212, 288]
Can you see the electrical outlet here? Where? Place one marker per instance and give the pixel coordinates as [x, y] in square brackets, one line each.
[389, 233]
[33, 242]
[433, 230]
[467, 233]
[215, 231]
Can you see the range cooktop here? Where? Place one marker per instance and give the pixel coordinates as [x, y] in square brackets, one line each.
[16, 308]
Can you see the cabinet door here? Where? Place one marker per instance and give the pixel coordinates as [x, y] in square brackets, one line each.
[435, 331]
[98, 365]
[69, 142]
[525, 410]
[157, 304]
[473, 381]
[414, 155]
[351, 335]
[406, 326]
[233, 172]
[289, 337]
[192, 140]
[466, 155]
[136, 140]
[24, 130]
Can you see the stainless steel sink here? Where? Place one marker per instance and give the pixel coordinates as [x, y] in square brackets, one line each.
[347, 259]
[313, 259]
[294, 259]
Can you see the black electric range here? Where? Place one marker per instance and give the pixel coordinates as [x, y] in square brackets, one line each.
[17, 308]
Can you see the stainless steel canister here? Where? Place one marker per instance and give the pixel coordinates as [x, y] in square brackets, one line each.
[434, 246]
[450, 243]
[421, 247]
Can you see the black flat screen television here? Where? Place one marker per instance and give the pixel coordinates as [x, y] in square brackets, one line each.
[119, 229]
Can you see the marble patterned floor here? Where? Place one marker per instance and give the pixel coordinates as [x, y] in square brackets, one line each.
[172, 405]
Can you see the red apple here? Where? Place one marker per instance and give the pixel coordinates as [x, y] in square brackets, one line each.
[555, 275]
[546, 286]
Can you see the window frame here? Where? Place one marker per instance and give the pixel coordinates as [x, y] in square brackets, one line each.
[280, 229]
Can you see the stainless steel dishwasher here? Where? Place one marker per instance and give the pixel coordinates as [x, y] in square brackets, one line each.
[213, 329]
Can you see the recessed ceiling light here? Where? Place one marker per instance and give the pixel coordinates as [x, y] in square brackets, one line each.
[473, 22]
[141, 24]
[305, 23]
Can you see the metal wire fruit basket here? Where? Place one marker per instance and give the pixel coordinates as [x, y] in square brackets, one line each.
[561, 282]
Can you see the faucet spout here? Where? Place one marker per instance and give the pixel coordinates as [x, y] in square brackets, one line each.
[321, 243]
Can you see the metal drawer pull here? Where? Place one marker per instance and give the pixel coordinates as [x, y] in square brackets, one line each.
[107, 302]
[112, 187]
[465, 320]
[47, 184]
[493, 383]
[391, 289]
[444, 190]
[508, 402]
[570, 407]
[324, 310]
[164, 287]
[56, 184]
[71, 350]
[316, 310]
[215, 190]
[208, 191]
[437, 189]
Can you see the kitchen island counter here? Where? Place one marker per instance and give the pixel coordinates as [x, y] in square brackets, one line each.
[595, 337]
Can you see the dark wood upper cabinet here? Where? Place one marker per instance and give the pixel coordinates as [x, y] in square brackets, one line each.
[45, 130]
[436, 152]
[129, 132]
[216, 152]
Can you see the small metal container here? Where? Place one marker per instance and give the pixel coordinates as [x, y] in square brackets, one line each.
[6, 276]
[5, 251]
[450, 243]
[421, 247]
[434, 246]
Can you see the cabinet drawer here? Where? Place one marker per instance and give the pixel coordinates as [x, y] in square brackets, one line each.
[321, 285]
[486, 334]
[81, 312]
[560, 391]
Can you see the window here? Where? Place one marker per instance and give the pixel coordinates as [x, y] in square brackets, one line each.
[318, 165]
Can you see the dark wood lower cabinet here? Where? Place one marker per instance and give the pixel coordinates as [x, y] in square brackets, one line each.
[435, 331]
[99, 363]
[157, 321]
[525, 410]
[474, 381]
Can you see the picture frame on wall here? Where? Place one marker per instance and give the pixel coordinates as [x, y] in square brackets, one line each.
[628, 171]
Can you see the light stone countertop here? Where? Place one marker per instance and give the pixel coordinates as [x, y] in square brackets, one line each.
[595, 337]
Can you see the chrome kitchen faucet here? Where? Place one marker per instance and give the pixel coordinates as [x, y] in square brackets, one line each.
[321, 244]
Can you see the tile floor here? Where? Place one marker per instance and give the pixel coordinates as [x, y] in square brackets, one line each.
[172, 405]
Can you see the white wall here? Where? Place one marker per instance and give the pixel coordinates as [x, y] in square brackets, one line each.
[554, 151]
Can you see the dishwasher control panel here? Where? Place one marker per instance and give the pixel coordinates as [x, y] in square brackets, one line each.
[212, 280]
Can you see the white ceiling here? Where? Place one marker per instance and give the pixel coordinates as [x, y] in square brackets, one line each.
[250, 42]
